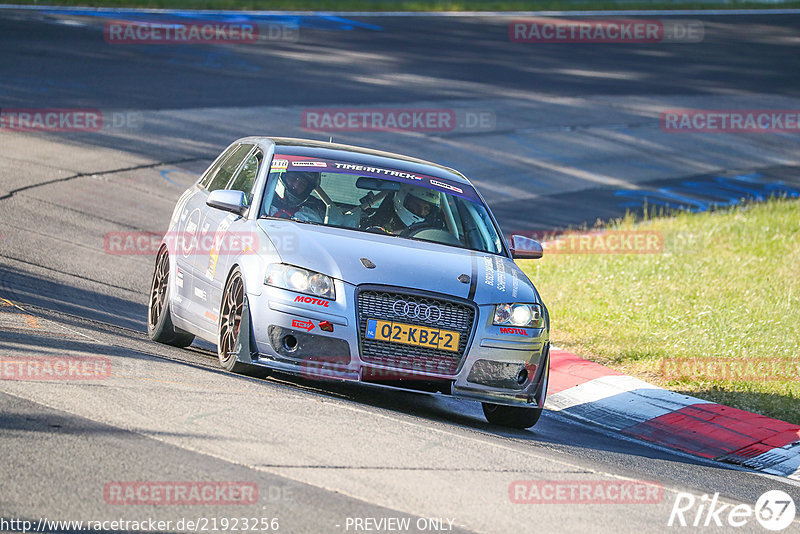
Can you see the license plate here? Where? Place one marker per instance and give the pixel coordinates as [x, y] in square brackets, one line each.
[409, 334]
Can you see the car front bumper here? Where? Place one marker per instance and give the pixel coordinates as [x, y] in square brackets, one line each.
[498, 365]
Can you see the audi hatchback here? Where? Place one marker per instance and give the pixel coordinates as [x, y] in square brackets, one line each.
[342, 263]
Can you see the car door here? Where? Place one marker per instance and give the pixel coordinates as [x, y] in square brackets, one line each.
[220, 232]
[197, 221]
[183, 234]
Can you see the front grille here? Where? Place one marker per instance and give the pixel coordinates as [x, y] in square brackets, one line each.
[379, 304]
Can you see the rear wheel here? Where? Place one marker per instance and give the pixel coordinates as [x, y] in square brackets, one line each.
[511, 416]
[232, 314]
[159, 320]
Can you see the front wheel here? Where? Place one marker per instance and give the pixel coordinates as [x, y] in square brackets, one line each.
[159, 320]
[511, 416]
[232, 314]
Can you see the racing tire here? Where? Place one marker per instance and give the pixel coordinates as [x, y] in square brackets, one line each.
[511, 416]
[233, 312]
[159, 318]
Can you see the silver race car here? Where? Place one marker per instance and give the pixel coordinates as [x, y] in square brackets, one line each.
[341, 263]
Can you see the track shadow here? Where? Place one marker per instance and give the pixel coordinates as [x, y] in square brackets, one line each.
[447, 410]
[24, 288]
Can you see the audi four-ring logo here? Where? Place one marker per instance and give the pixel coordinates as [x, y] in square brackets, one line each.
[412, 310]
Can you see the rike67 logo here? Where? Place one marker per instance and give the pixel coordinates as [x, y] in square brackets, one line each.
[774, 510]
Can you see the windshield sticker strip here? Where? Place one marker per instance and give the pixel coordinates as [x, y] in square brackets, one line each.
[377, 171]
[444, 185]
[309, 164]
[279, 164]
[297, 163]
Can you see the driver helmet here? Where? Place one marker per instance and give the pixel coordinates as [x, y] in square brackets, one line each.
[413, 203]
[294, 187]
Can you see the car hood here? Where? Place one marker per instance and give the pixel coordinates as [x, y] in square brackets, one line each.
[399, 262]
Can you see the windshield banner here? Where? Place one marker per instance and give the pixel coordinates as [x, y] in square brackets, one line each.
[281, 163]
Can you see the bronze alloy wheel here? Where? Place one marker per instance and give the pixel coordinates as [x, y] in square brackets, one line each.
[231, 320]
[159, 320]
[158, 291]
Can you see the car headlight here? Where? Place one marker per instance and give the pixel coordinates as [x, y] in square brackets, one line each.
[525, 315]
[300, 280]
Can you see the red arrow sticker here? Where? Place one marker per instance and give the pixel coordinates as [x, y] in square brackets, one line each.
[305, 325]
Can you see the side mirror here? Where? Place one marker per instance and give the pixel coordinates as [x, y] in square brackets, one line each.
[227, 200]
[525, 248]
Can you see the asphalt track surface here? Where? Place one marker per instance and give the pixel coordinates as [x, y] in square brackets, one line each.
[569, 120]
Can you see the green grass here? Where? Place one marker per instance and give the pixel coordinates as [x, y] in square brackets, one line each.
[727, 286]
[415, 5]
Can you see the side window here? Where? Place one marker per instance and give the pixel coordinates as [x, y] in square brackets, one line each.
[227, 169]
[246, 177]
[209, 175]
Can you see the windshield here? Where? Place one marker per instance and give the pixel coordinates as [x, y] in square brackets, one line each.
[379, 200]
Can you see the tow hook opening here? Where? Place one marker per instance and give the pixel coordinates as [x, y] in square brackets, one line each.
[290, 343]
